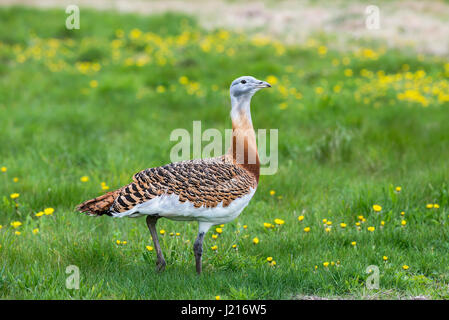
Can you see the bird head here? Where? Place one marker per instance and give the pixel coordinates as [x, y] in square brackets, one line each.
[245, 87]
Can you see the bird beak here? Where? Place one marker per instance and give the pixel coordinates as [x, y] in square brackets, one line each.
[263, 84]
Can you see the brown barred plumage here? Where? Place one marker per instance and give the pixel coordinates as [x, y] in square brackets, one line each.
[204, 182]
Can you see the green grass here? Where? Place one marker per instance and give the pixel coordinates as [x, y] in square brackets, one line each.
[339, 154]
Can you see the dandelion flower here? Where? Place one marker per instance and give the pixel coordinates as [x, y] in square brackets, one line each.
[149, 248]
[436, 206]
[245, 226]
[16, 224]
[124, 242]
[267, 225]
[273, 263]
[15, 179]
[84, 179]
[382, 223]
[35, 231]
[162, 231]
[398, 189]
[385, 258]
[403, 223]
[219, 230]
[279, 221]
[118, 242]
[269, 259]
[402, 213]
[405, 267]
[343, 225]
[324, 220]
[214, 248]
[234, 246]
[371, 229]
[429, 206]
[39, 214]
[48, 211]
[328, 229]
[326, 264]
[214, 236]
[17, 233]
[377, 208]
[178, 234]
[300, 218]
[329, 223]
[217, 297]
[272, 192]
[14, 195]
[307, 229]
[353, 243]
[4, 169]
[256, 240]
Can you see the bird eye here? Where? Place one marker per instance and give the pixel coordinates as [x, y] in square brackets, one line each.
[243, 81]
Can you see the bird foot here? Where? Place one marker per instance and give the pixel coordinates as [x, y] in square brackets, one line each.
[160, 266]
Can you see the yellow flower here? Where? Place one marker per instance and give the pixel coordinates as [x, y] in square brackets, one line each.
[326, 264]
[14, 195]
[382, 223]
[272, 192]
[300, 218]
[15, 179]
[377, 208]
[353, 243]
[16, 224]
[39, 214]
[269, 259]
[279, 221]
[183, 80]
[35, 231]
[1, 226]
[319, 90]
[436, 206]
[245, 226]
[371, 229]
[343, 225]
[267, 225]
[337, 88]
[84, 179]
[272, 80]
[324, 220]
[273, 263]
[405, 267]
[118, 242]
[124, 242]
[214, 236]
[348, 72]
[48, 211]
[398, 189]
[403, 222]
[221, 225]
[385, 258]
[162, 231]
[178, 234]
[357, 224]
[322, 50]
[149, 248]
[219, 230]
[135, 34]
[306, 229]
[4, 169]
[256, 240]
[234, 246]
[217, 297]
[329, 223]
[214, 248]
[93, 83]
[327, 229]
[429, 206]
[105, 187]
[17, 233]
[402, 213]
[360, 217]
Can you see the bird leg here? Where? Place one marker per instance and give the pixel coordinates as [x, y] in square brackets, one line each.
[151, 223]
[198, 245]
[198, 250]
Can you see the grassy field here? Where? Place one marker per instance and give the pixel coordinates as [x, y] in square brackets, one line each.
[101, 102]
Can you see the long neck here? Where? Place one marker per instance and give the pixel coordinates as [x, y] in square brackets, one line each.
[244, 147]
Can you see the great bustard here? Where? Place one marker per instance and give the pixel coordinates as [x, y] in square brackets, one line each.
[211, 191]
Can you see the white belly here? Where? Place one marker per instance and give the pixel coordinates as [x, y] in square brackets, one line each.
[170, 207]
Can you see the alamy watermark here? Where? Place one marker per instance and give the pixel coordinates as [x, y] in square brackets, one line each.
[73, 280]
[372, 282]
[372, 21]
[191, 146]
[73, 20]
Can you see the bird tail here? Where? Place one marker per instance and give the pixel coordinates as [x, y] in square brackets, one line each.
[100, 205]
